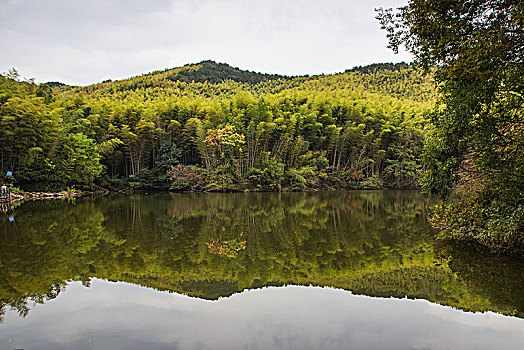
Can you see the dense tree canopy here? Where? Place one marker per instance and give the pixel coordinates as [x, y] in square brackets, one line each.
[221, 127]
[478, 137]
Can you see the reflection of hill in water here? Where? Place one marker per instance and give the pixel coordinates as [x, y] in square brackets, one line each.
[373, 243]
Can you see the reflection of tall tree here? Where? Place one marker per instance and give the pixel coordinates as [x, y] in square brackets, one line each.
[374, 243]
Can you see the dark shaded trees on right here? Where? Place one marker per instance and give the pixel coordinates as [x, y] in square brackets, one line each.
[477, 144]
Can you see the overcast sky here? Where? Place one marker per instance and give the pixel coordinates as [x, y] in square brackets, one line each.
[87, 41]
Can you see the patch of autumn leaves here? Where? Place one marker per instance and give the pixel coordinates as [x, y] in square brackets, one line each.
[226, 138]
[229, 248]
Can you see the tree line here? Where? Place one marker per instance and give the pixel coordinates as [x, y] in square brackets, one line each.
[357, 129]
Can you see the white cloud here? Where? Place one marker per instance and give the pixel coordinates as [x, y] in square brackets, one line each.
[83, 42]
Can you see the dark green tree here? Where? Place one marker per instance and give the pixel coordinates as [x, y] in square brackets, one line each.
[477, 47]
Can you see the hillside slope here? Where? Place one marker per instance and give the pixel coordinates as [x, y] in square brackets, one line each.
[211, 79]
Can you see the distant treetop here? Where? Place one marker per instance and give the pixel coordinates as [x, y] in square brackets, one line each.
[214, 73]
[371, 68]
[54, 84]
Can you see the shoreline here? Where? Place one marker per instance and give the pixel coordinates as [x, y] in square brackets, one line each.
[47, 195]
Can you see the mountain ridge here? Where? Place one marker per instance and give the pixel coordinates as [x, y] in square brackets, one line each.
[218, 72]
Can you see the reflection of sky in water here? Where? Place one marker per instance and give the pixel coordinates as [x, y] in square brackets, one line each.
[124, 316]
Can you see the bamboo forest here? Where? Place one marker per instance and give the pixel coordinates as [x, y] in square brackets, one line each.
[211, 127]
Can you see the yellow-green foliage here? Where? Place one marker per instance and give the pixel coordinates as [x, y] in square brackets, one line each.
[328, 131]
[374, 243]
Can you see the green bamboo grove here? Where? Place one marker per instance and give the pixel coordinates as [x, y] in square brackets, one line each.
[211, 127]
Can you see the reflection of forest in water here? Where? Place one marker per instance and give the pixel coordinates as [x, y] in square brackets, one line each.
[375, 243]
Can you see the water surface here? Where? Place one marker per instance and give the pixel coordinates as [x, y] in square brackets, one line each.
[331, 270]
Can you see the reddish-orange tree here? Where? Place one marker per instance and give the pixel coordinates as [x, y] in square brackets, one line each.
[225, 145]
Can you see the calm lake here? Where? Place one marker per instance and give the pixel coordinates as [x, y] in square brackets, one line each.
[328, 270]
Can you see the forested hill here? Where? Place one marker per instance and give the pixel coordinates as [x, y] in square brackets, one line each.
[212, 72]
[208, 78]
[209, 126]
[203, 72]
